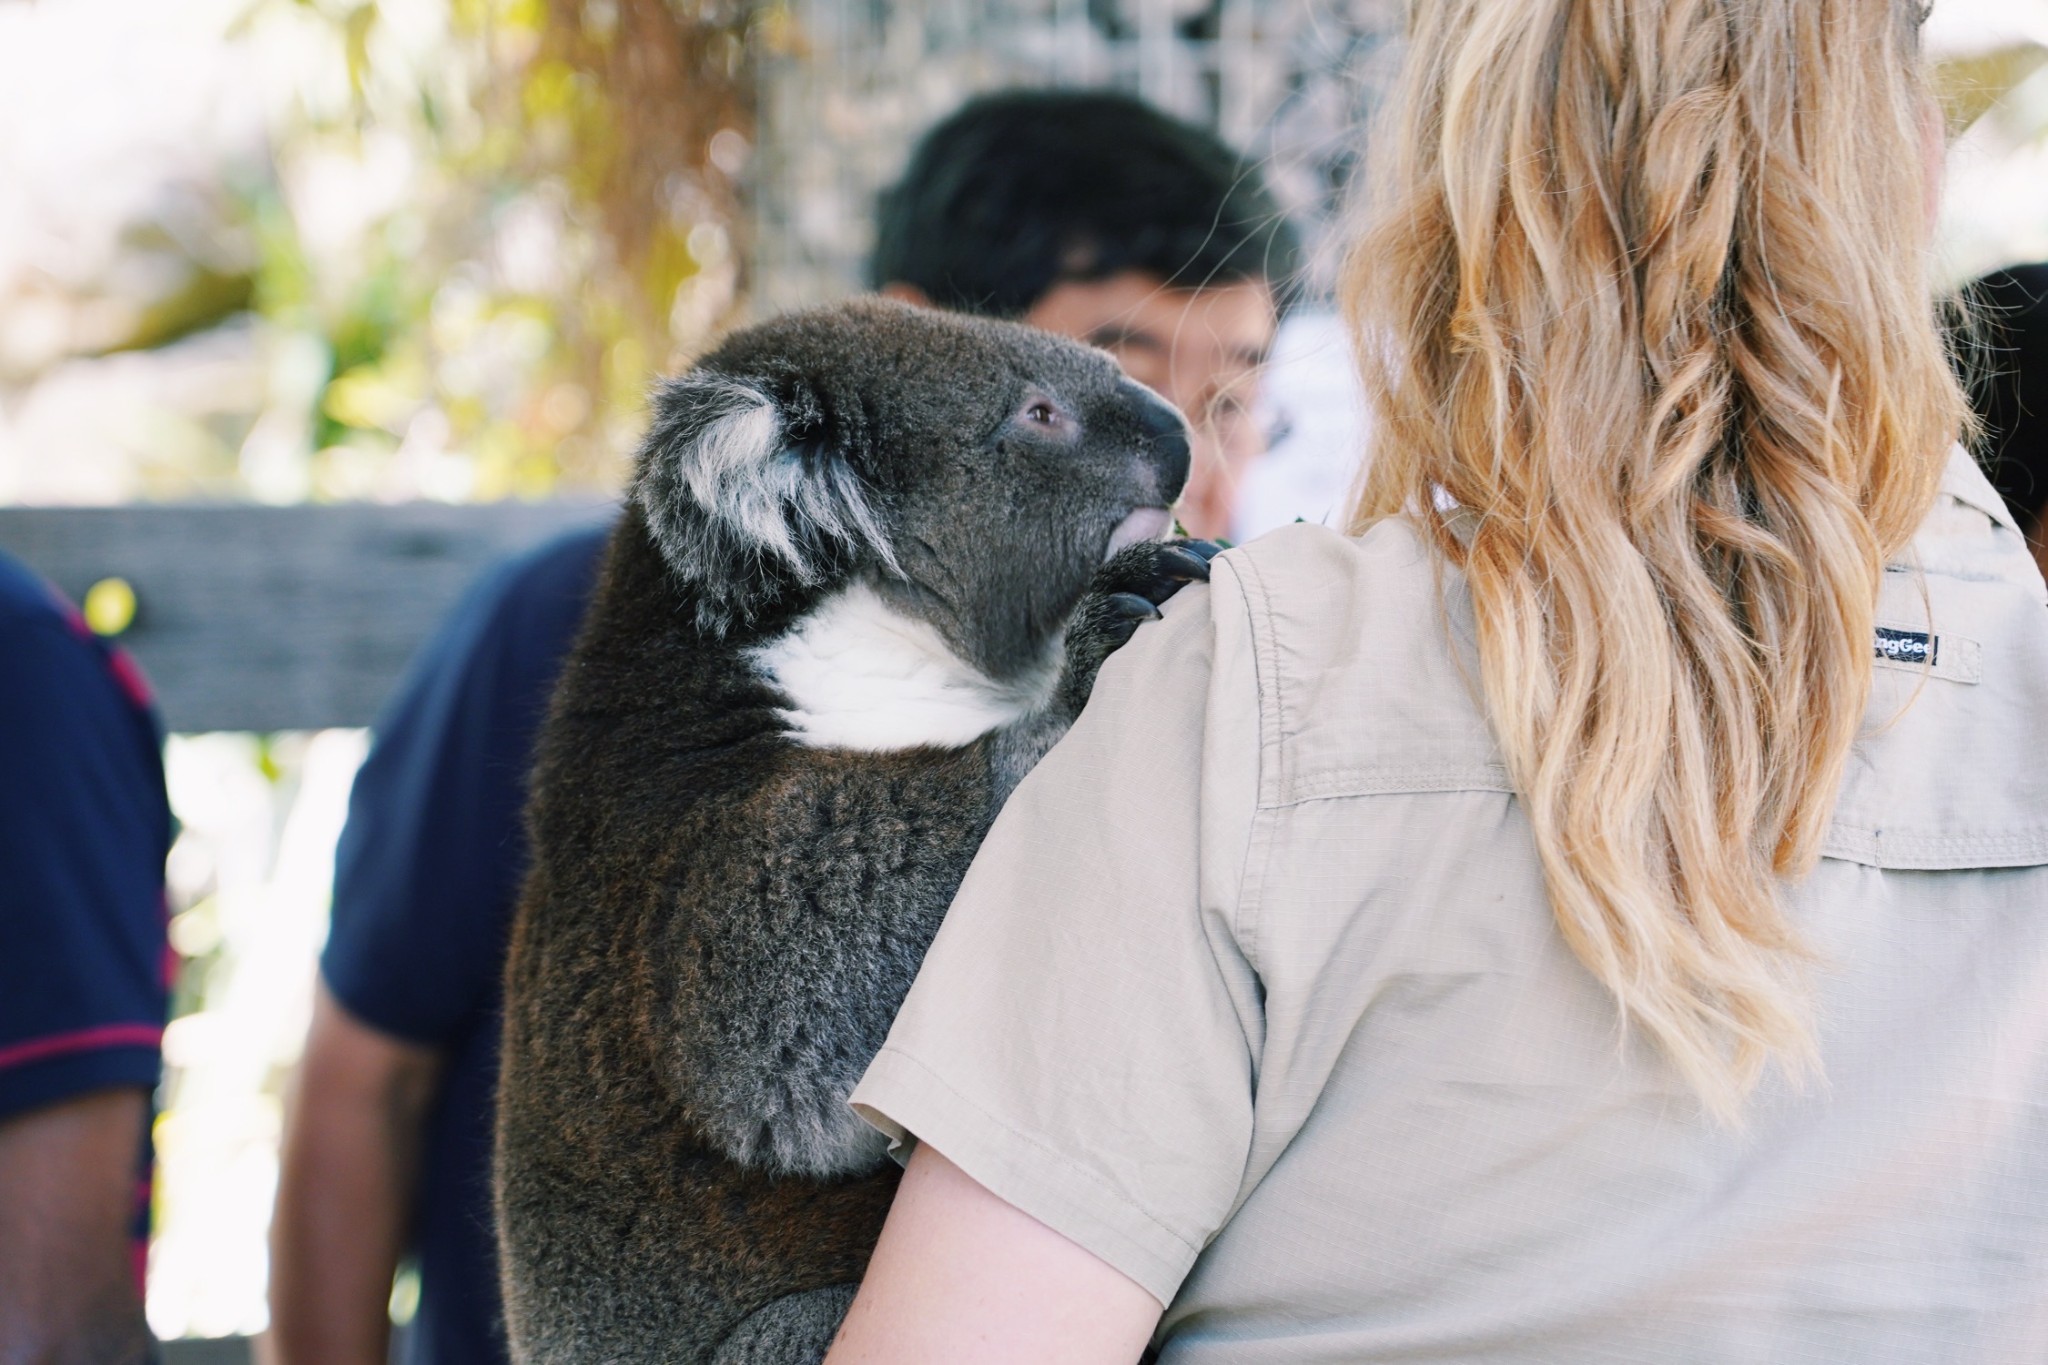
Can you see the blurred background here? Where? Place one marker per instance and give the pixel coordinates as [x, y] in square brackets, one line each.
[317, 251]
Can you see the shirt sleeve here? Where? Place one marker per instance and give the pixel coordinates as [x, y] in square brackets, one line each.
[1082, 1038]
[430, 860]
[84, 828]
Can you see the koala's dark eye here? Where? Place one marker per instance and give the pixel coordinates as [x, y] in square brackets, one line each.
[1040, 418]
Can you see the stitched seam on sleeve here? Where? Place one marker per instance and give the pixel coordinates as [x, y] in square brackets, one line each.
[1259, 840]
[1051, 1155]
[1266, 650]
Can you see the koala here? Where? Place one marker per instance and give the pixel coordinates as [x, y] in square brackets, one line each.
[871, 560]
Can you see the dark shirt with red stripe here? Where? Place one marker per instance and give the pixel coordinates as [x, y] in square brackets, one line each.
[84, 830]
[425, 880]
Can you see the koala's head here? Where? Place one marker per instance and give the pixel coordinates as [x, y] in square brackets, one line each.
[977, 472]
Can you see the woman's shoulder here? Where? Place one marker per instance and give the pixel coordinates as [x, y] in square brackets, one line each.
[1970, 534]
[1311, 585]
[1367, 673]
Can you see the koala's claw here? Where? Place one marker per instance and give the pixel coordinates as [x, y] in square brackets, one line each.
[1188, 559]
[1155, 569]
[1126, 593]
[1115, 619]
[1131, 605]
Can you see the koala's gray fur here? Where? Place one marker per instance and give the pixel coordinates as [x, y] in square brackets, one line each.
[859, 588]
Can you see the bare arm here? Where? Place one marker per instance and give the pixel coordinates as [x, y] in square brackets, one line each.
[962, 1278]
[67, 1179]
[351, 1157]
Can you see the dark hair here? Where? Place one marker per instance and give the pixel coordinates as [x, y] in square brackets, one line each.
[1023, 190]
[2010, 386]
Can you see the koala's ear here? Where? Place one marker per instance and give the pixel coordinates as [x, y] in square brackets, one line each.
[738, 508]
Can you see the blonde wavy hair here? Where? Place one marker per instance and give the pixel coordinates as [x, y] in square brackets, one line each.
[1646, 325]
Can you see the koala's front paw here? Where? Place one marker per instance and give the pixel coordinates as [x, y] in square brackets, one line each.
[1125, 593]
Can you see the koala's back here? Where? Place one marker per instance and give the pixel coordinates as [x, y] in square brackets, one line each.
[626, 1234]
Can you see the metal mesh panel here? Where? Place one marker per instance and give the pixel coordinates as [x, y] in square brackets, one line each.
[1285, 80]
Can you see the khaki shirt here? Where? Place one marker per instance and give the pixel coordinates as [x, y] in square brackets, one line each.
[1254, 992]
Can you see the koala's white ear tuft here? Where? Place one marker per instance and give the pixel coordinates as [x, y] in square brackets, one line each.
[733, 466]
[733, 506]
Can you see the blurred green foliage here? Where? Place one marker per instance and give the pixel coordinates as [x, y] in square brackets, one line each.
[498, 224]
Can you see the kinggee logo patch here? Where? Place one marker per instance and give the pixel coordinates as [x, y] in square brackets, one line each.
[1907, 646]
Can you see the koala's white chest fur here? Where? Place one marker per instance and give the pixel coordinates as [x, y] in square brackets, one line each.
[862, 675]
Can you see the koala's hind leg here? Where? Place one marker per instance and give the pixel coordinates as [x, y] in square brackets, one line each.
[795, 1330]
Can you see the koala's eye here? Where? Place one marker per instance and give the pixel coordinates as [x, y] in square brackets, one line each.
[1041, 415]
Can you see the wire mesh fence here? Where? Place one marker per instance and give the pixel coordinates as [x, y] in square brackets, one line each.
[843, 102]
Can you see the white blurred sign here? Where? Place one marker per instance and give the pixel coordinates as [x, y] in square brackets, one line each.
[1316, 412]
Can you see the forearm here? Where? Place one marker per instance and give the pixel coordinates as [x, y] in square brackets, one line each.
[347, 1172]
[335, 1241]
[67, 1296]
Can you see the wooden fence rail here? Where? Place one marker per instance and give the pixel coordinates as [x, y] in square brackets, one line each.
[279, 618]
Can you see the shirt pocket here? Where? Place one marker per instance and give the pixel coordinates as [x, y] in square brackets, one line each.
[1951, 769]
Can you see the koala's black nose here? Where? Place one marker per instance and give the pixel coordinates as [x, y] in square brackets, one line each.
[1165, 434]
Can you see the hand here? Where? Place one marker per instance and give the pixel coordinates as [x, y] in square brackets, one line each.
[1126, 593]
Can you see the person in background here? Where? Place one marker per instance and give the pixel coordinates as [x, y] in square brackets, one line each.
[2011, 392]
[388, 1122]
[84, 830]
[1597, 909]
[1093, 215]
[1089, 214]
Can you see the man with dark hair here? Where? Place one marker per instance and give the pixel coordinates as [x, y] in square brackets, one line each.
[1021, 192]
[1094, 215]
[1087, 214]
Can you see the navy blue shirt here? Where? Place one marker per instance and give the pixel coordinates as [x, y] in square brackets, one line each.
[84, 829]
[425, 881]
